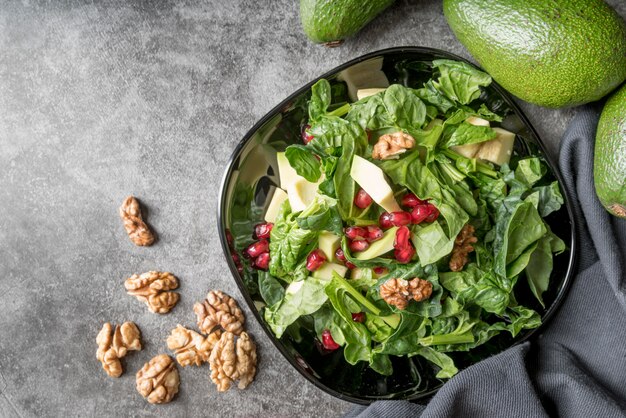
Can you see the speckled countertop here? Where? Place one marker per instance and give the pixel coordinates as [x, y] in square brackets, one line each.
[98, 101]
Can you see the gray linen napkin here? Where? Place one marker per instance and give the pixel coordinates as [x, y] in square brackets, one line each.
[577, 366]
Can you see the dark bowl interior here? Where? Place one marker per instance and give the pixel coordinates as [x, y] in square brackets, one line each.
[248, 184]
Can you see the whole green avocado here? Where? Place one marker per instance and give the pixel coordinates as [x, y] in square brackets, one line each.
[609, 163]
[332, 21]
[547, 52]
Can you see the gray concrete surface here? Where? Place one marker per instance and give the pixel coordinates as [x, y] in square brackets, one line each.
[101, 100]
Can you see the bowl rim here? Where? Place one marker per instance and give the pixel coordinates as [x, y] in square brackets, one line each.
[221, 209]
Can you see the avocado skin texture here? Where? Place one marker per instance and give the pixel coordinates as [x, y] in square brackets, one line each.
[551, 53]
[331, 21]
[609, 162]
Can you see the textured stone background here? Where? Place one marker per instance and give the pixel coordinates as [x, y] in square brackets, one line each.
[98, 101]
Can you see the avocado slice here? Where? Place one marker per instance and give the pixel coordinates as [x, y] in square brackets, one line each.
[372, 179]
[326, 271]
[328, 243]
[278, 198]
[380, 247]
[498, 150]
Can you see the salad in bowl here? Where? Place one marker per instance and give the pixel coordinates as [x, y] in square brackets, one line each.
[401, 223]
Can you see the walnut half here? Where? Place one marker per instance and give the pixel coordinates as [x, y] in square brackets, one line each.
[219, 309]
[153, 289]
[390, 146]
[462, 247]
[158, 379]
[135, 227]
[113, 344]
[398, 292]
[232, 361]
[191, 347]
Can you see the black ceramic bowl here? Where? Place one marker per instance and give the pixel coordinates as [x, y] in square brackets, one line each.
[252, 174]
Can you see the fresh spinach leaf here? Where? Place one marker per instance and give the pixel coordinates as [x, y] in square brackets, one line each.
[460, 81]
[289, 245]
[270, 289]
[304, 161]
[321, 215]
[404, 108]
[467, 133]
[320, 99]
[303, 297]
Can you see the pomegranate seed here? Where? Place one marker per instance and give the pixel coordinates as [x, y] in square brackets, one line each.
[410, 200]
[400, 218]
[358, 245]
[358, 317]
[340, 255]
[315, 260]
[306, 137]
[405, 254]
[362, 200]
[262, 262]
[380, 271]
[420, 213]
[356, 233]
[229, 238]
[384, 220]
[403, 234]
[434, 214]
[235, 257]
[424, 213]
[262, 230]
[256, 248]
[328, 342]
[374, 233]
[349, 265]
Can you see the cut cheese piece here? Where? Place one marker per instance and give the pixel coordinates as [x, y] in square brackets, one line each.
[364, 75]
[498, 150]
[363, 93]
[301, 193]
[470, 150]
[278, 198]
[328, 243]
[380, 247]
[286, 172]
[372, 180]
[326, 271]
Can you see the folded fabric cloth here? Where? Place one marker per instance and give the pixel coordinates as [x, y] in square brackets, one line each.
[576, 367]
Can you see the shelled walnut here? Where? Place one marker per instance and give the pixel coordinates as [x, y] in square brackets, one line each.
[462, 247]
[219, 309]
[137, 230]
[232, 361]
[158, 379]
[113, 344]
[398, 292]
[392, 145]
[153, 289]
[191, 347]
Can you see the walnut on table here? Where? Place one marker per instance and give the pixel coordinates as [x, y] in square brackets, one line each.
[158, 379]
[219, 309]
[191, 347]
[153, 289]
[462, 247]
[137, 230]
[390, 146]
[232, 361]
[113, 344]
[398, 292]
